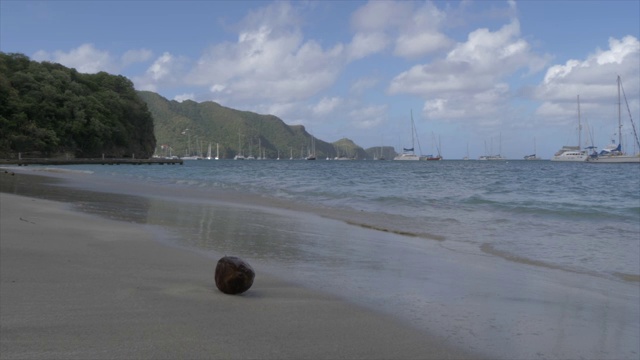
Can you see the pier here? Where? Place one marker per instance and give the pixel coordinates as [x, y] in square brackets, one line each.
[90, 161]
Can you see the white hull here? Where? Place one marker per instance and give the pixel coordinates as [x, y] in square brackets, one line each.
[570, 153]
[572, 157]
[408, 154]
[407, 157]
[612, 153]
[491, 157]
[615, 159]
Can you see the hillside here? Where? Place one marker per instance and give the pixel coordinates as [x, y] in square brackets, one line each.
[48, 110]
[188, 127]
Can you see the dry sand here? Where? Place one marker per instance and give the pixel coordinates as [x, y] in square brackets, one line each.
[77, 286]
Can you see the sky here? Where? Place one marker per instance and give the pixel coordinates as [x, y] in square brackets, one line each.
[478, 77]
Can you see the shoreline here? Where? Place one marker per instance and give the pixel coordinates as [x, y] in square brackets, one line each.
[482, 304]
[75, 285]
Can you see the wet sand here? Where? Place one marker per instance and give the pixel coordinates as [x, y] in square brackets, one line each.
[79, 286]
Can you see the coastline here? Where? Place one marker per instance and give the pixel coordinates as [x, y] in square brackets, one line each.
[75, 285]
[459, 300]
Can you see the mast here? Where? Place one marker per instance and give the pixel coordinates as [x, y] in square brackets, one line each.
[579, 127]
[619, 117]
[413, 133]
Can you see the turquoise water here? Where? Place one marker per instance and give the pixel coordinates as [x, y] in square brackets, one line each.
[510, 259]
[573, 216]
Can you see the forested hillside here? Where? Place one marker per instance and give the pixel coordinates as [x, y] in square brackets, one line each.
[188, 127]
[48, 110]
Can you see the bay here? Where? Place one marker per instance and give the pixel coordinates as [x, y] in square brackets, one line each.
[514, 259]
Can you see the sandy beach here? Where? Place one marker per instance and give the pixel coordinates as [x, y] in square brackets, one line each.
[78, 286]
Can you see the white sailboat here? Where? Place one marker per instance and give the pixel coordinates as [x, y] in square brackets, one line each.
[572, 153]
[532, 156]
[312, 150]
[250, 157]
[239, 155]
[409, 154]
[466, 157]
[613, 153]
[217, 151]
[493, 156]
[209, 152]
[432, 157]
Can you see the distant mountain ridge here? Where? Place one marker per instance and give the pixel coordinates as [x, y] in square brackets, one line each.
[188, 127]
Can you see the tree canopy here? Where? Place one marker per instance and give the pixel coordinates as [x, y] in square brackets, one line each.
[48, 110]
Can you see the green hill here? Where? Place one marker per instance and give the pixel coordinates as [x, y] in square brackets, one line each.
[188, 127]
[48, 110]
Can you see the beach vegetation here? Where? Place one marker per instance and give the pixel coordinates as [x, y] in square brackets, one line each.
[48, 110]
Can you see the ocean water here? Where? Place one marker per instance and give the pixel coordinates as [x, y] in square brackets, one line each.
[535, 259]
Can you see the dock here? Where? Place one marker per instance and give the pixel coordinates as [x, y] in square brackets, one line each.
[90, 161]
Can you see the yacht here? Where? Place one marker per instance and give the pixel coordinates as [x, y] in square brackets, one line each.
[409, 154]
[572, 153]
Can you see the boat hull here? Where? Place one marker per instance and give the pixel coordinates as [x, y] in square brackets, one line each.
[616, 159]
[407, 157]
[572, 156]
[569, 159]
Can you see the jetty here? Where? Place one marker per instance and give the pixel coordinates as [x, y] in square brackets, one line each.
[90, 161]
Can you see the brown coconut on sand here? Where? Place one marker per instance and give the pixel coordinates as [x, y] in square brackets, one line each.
[76, 286]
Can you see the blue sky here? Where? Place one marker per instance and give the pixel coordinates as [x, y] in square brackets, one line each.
[493, 76]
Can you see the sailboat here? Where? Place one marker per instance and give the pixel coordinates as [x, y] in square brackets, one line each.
[613, 153]
[532, 156]
[312, 150]
[572, 153]
[217, 151]
[250, 157]
[493, 156]
[239, 155]
[431, 157]
[209, 152]
[409, 154]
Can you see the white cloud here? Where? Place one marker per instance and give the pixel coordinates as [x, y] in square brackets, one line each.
[183, 97]
[593, 79]
[365, 44]
[416, 30]
[415, 45]
[619, 50]
[360, 85]
[165, 72]
[270, 61]
[326, 106]
[136, 56]
[500, 52]
[215, 88]
[161, 67]
[85, 59]
[368, 116]
[471, 80]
